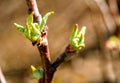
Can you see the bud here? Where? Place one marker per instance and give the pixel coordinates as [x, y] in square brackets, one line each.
[77, 37]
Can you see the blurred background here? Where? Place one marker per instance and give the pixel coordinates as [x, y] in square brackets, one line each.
[98, 62]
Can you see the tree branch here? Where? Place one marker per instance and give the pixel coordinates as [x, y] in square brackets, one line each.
[32, 7]
[67, 53]
[115, 12]
[43, 49]
[49, 69]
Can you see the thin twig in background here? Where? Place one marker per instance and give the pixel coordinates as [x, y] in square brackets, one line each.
[114, 9]
[115, 12]
[2, 78]
[107, 18]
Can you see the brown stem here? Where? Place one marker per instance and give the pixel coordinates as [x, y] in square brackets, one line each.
[49, 69]
[67, 53]
[32, 7]
[43, 49]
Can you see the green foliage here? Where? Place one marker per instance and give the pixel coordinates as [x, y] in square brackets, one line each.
[32, 31]
[19, 27]
[77, 37]
[37, 73]
[30, 19]
[44, 20]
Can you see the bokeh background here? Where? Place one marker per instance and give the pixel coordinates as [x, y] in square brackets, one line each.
[98, 62]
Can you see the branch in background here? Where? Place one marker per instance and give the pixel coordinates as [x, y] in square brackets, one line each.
[2, 78]
[106, 13]
[114, 9]
[115, 12]
[107, 18]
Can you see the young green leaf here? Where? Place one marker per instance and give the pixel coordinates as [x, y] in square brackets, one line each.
[30, 19]
[41, 71]
[74, 33]
[35, 33]
[44, 20]
[82, 31]
[77, 37]
[33, 30]
[33, 68]
[81, 37]
[19, 27]
[37, 73]
[28, 32]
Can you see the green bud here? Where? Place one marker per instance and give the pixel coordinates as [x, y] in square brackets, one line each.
[33, 30]
[37, 73]
[77, 37]
[74, 33]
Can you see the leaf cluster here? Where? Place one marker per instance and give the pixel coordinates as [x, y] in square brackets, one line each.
[32, 31]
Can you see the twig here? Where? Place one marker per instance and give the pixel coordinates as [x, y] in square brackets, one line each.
[32, 7]
[2, 78]
[114, 9]
[49, 69]
[43, 49]
[67, 53]
[115, 12]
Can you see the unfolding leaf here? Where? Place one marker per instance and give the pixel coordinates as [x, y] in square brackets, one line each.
[41, 71]
[81, 37]
[77, 37]
[28, 32]
[74, 33]
[33, 68]
[19, 27]
[44, 20]
[35, 33]
[30, 19]
[37, 73]
[32, 31]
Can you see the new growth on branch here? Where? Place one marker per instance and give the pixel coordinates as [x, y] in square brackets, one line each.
[35, 30]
